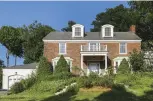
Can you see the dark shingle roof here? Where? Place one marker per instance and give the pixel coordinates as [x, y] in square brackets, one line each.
[91, 36]
[25, 66]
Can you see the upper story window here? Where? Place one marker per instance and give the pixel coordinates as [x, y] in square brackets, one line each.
[107, 30]
[77, 30]
[62, 48]
[123, 48]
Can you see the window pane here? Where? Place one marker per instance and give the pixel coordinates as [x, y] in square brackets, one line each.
[122, 48]
[77, 31]
[107, 31]
[62, 48]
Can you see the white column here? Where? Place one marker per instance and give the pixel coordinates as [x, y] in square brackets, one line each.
[105, 62]
[81, 61]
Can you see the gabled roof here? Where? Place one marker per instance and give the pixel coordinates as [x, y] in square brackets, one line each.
[91, 36]
[25, 66]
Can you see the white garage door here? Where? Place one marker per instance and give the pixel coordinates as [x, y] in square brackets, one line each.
[13, 79]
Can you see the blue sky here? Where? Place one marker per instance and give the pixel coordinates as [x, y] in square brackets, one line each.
[55, 14]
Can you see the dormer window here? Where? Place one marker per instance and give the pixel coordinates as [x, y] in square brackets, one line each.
[77, 30]
[107, 30]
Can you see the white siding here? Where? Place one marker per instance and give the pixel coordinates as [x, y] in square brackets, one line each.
[9, 72]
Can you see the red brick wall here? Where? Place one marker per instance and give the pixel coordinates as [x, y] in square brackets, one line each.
[73, 51]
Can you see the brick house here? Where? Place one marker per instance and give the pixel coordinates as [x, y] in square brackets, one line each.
[91, 51]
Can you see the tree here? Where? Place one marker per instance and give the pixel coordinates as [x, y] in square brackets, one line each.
[144, 23]
[44, 68]
[120, 17]
[10, 38]
[32, 36]
[1, 66]
[136, 60]
[124, 67]
[62, 65]
[69, 28]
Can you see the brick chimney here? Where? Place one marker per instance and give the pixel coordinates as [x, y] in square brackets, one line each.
[132, 28]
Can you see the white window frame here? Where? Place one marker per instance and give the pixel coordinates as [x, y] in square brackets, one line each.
[97, 44]
[103, 30]
[77, 31]
[82, 30]
[60, 48]
[125, 48]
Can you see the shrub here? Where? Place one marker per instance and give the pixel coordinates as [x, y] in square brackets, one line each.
[84, 82]
[73, 89]
[105, 81]
[30, 81]
[62, 65]
[110, 71]
[44, 68]
[93, 76]
[124, 67]
[17, 88]
[62, 75]
[136, 60]
[87, 83]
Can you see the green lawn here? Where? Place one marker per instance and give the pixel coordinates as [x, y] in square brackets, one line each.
[139, 89]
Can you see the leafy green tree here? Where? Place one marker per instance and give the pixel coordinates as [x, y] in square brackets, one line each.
[62, 65]
[120, 17]
[144, 23]
[32, 36]
[10, 38]
[44, 68]
[1, 66]
[69, 28]
[124, 67]
[136, 60]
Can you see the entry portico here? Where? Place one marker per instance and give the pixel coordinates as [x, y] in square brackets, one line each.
[94, 50]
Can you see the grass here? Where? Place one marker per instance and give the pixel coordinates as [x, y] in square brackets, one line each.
[39, 91]
[139, 89]
[138, 83]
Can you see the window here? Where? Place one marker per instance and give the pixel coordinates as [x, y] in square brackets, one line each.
[94, 46]
[62, 48]
[107, 31]
[77, 31]
[123, 48]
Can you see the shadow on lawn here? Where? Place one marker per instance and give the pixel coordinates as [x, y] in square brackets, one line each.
[116, 94]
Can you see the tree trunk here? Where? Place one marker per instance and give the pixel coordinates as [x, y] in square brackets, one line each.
[7, 57]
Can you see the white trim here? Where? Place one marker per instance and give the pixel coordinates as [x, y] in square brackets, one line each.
[59, 48]
[73, 30]
[80, 41]
[103, 30]
[93, 53]
[125, 48]
[105, 62]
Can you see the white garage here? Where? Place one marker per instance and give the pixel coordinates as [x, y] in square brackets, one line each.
[16, 73]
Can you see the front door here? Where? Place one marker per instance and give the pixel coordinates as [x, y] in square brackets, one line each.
[94, 67]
